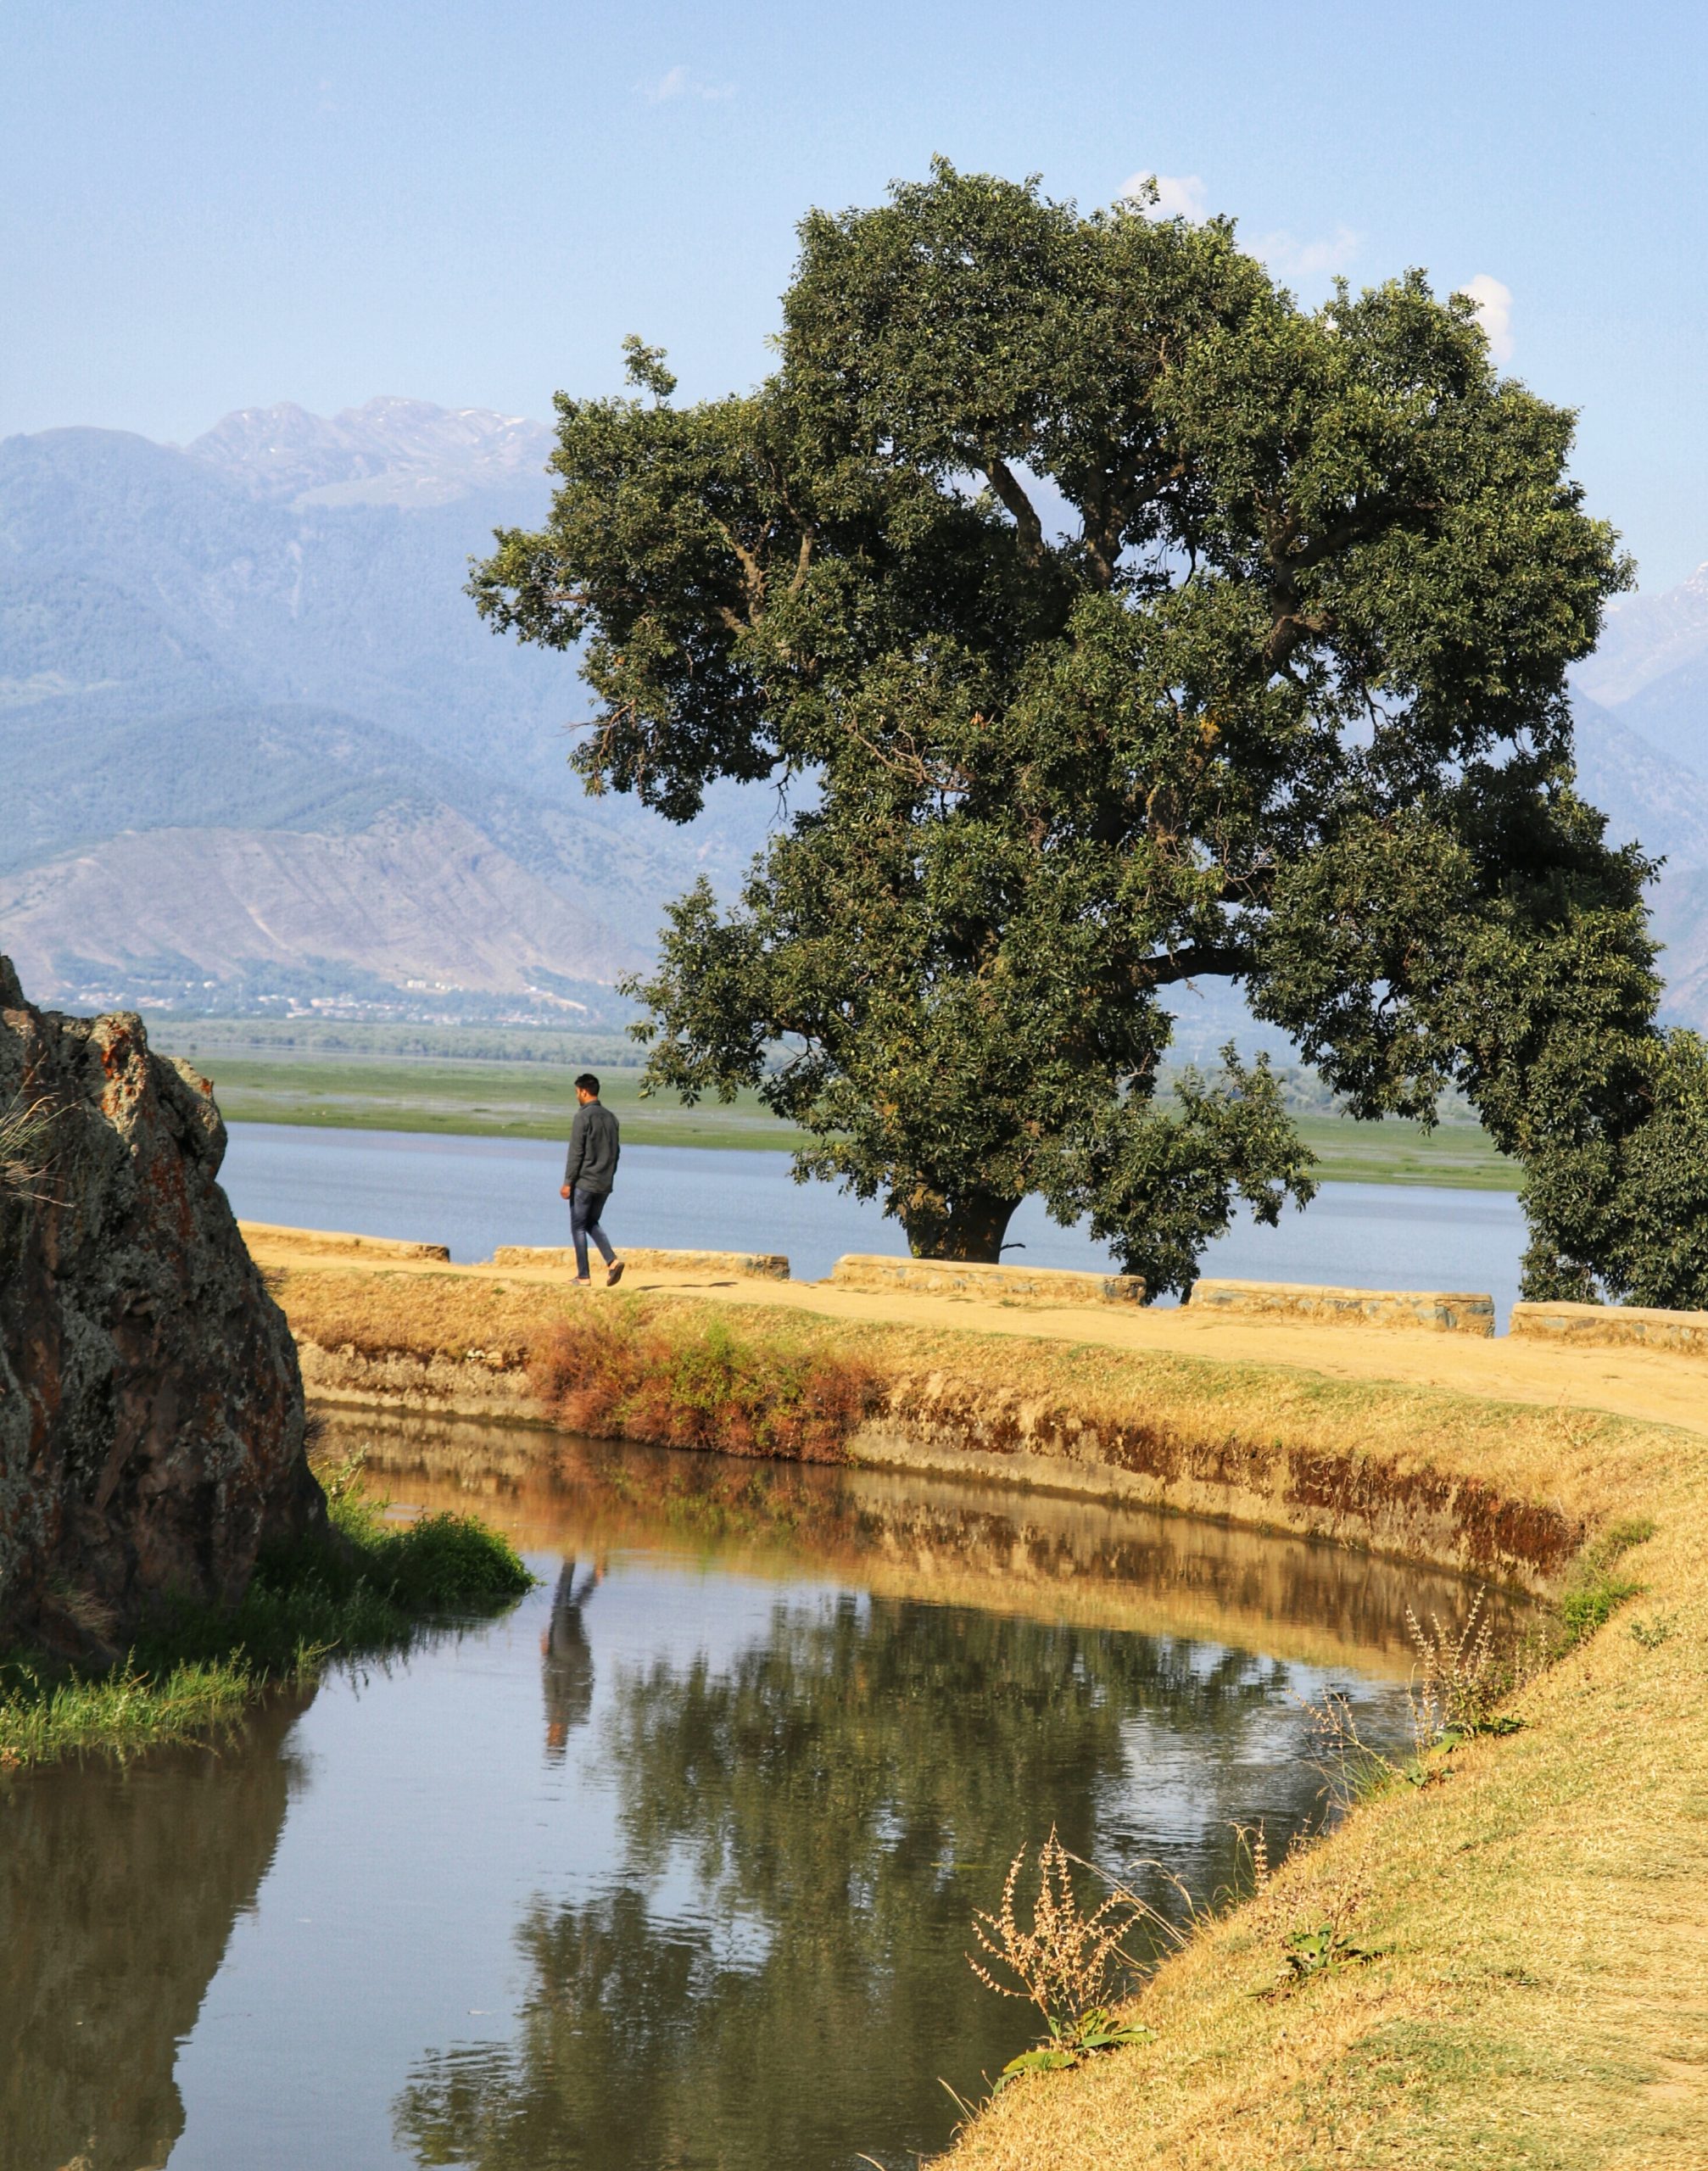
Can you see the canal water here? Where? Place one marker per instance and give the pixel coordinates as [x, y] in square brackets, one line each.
[474, 1194]
[676, 1863]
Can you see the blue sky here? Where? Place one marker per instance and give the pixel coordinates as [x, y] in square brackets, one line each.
[204, 207]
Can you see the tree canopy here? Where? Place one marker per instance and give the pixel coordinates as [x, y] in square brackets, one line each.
[1119, 624]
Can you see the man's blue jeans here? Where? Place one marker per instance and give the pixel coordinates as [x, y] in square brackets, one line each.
[585, 1207]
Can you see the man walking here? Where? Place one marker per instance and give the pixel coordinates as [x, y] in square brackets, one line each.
[588, 1174]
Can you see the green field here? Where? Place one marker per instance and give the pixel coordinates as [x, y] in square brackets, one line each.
[483, 1100]
[535, 1100]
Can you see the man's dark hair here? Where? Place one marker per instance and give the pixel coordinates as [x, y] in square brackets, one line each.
[587, 1083]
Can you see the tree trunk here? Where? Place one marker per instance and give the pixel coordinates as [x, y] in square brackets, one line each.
[970, 1226]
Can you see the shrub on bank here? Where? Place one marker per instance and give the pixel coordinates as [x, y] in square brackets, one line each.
[370, 1587]
[615, 1375]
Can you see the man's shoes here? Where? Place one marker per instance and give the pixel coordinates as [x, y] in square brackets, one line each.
[584, 1281]
[613, 1274]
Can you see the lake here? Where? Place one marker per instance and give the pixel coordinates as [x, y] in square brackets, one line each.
[676, 1863]
[477, 1193]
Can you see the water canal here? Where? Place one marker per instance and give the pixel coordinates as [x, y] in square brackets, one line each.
[674, 1864]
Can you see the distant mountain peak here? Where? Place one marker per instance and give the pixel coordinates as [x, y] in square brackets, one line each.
[390, 450]
[1646, 637]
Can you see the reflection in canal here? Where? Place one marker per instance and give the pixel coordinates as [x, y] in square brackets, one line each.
[118, 1890]
[838, 1796]
[676, 1864]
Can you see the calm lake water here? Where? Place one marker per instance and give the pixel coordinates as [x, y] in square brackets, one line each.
[675, 1863]
[477, 1193]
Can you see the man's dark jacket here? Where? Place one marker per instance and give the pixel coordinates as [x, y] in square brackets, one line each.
[593, 1149]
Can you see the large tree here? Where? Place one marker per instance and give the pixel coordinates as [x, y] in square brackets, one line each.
[1119, 625]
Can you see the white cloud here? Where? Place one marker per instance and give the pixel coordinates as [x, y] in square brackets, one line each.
[1494, 306]
[677, 83]
[1290, 257]
[1178, 195]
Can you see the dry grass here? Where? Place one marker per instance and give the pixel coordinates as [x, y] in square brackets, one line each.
[675, 1381]
[27, 1147]
[1537, 1994]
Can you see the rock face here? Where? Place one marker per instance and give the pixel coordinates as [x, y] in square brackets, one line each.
[151, 1408]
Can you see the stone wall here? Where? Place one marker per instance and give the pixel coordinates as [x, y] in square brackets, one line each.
[1614, 1326]
[151, 1407]
[1437, 1311]
[1038, 1287]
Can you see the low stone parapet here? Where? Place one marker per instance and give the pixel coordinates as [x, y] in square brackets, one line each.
[1613, 1326]
[331, 1243]
[764, 1266]
[1436, 1311]
[992, 1285]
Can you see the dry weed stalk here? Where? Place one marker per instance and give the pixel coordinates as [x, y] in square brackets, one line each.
[1068, 1960]
[26, 1148]
[1252, 1841]
[1456, 1683]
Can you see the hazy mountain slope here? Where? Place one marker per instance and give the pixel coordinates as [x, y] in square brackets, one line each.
[401, 452]
[1681, 921]
[266, 635]
[424, 905]
[1647, 796]
[1646, 637]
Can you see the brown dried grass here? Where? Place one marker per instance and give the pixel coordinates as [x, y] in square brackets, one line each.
[694, 1382]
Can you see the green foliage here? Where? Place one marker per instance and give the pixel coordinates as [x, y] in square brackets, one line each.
[1598, 1587]
[1283, 702]
[1070, 2044]
[1324, 1950]
[368, 1588]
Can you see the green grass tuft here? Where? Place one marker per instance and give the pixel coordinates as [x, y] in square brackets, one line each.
[1598, 1588]
[370, 1587]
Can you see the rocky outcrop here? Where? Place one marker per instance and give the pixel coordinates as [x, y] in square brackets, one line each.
[151, 1407]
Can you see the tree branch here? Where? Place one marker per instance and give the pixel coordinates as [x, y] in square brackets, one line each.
[1026, 521]
[1213, 960]
[752, 572]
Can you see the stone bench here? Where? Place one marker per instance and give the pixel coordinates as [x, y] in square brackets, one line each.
[883, 1274]
[765, 1266]
[1613, 1326]
[1436, 1311]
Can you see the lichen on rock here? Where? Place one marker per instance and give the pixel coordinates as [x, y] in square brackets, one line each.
[152, 1431]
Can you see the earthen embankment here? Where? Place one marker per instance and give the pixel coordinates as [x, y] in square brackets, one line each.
[1412, 1445]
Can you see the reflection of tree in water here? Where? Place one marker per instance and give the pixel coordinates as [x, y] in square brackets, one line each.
[118, 1892]
[845, 1794]
[568, 1667]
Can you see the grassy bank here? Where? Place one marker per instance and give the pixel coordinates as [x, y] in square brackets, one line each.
[1459, 1479]
[351, 1090]
[1496, 1962]
[373, 1587]
[1511, 1973]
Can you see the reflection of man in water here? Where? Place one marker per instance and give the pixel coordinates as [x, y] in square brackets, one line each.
[568, 1659]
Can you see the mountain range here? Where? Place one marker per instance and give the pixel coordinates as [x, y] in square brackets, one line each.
[259, 755]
